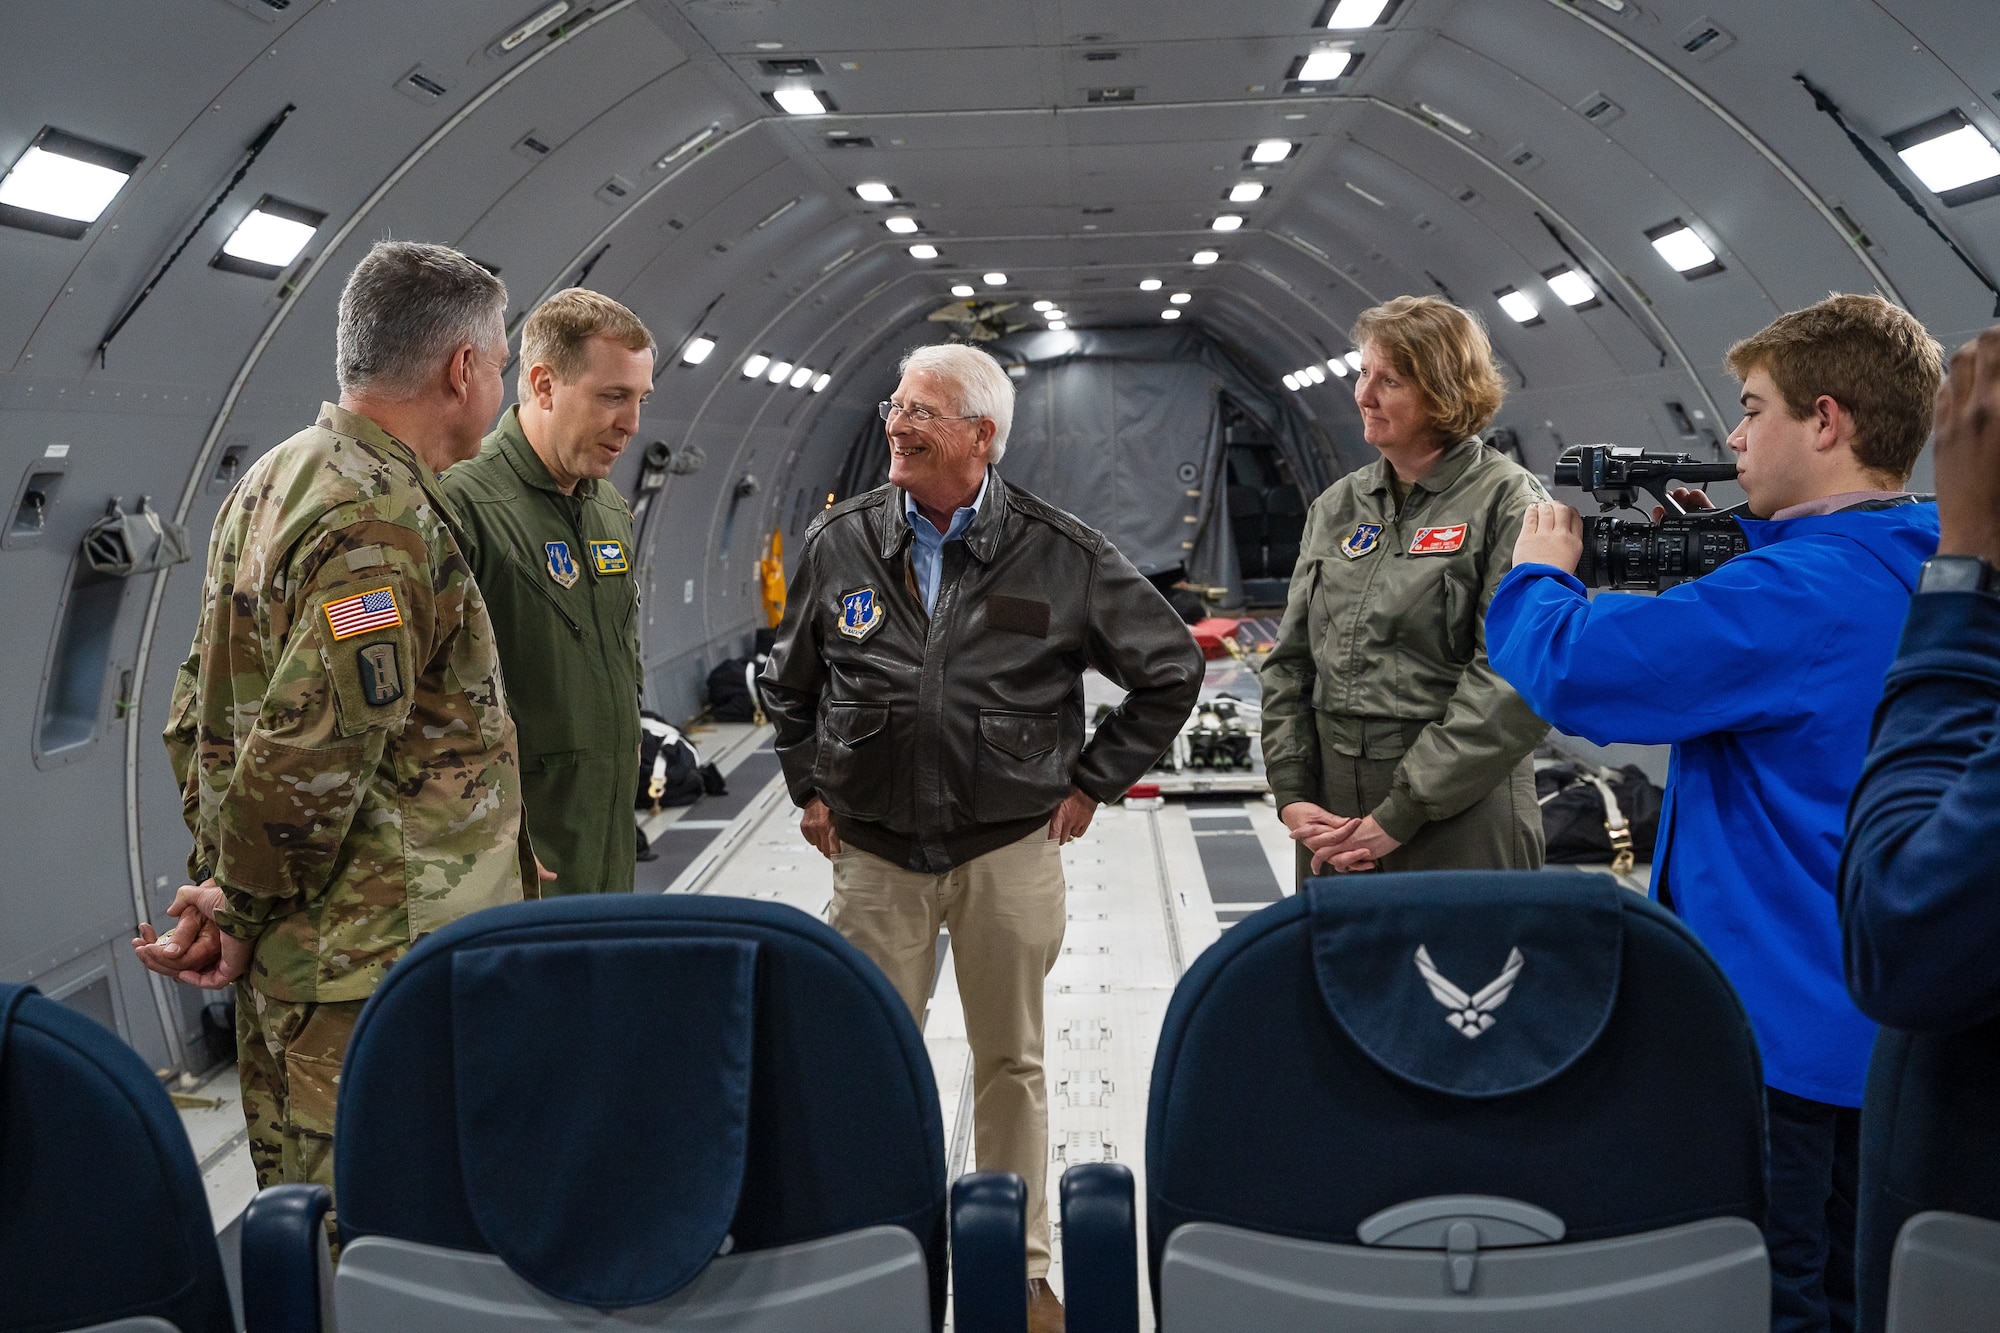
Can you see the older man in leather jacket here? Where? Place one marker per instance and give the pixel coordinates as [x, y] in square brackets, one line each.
[927, 691]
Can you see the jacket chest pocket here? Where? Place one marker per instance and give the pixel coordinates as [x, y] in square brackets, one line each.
[1461, 610]
[854, 771]
[1022, 770]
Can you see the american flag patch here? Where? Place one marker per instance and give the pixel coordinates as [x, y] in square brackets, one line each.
[357, 615]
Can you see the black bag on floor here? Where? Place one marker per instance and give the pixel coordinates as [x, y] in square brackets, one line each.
[1593, 815]
[670, 769]
[732, 690]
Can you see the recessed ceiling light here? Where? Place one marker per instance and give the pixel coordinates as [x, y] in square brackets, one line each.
[1272, 150]
[1684, 251]
[755, 366]
[961, 289]
[1057, 325]
[1519, 306]
[1054, 313]
[269, 238]
[1170, 313]
[1448, 121]
[995, 279]
[780, 372]
[1571, 287]
[687, 145]
[1045, 305]
[801, 102]
[819, 385]
[62, 184]
[1353, 360]
[800, 377]
[1337, 366]
[1315, 374]
[1373, 199]
[1149, 284]
[1180, 298]
[697, 350]
[1205, 257]
[1951, 157]
[1356, 13]
[875, 192]
[923, 252]
[900, 223]
[770, 46]
[1324, 66]
[1292, 383]
[1245, 192]
[1227, 222]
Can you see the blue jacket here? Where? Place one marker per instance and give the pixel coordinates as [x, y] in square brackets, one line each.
[1762, 676]
[1918, 900]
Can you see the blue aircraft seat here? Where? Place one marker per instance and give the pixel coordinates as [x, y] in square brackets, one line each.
[1927, 1258]
[637, 1112]
[104, 1223]
[1503, 1101]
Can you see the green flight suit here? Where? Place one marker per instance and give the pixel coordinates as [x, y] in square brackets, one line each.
[1378, 698]
[557, 574]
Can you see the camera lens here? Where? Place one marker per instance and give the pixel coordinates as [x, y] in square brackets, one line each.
[1619, 553]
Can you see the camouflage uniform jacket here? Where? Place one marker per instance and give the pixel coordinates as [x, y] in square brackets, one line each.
[339, 729]
[1384, 638]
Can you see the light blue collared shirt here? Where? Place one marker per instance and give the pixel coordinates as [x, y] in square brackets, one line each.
[927, 550]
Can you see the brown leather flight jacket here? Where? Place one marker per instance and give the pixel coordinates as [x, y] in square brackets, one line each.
[935, 739]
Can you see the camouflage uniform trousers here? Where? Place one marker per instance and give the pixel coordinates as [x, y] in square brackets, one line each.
[288, 1057]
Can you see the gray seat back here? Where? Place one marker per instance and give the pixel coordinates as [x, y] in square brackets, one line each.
[1945, 1275]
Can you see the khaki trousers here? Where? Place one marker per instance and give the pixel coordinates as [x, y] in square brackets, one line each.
[1005, 911]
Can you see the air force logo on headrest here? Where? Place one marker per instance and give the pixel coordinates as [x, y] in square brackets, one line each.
[860, 614]
[1365, 536]
[1470, 1014]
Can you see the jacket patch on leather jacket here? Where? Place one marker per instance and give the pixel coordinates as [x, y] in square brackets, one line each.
[1023, 615]
[1438, 541]
[861, 614]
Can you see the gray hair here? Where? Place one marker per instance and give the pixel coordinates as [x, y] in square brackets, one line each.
[406, 306]
[983, 387]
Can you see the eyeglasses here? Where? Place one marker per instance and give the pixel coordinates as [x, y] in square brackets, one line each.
[888, 408]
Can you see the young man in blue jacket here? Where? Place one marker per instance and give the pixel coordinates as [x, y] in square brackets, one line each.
[1763, 676]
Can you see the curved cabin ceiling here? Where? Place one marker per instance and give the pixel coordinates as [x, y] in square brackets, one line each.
[1078, 147]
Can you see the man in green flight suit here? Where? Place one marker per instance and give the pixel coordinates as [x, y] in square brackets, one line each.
[550, 542]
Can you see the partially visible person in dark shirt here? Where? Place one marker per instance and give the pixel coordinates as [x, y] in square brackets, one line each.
[1919, 883]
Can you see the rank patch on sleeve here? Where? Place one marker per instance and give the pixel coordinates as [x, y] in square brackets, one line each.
[1438, 541]
[609, 557]
[362, 613]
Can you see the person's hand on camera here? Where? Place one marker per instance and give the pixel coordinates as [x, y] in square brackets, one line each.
[1551, 534]
[817, 826]
[1690, 499]
[195, 951]
[1966, 430]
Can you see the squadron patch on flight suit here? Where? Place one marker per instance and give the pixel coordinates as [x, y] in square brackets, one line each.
[562, 568]
[861, 614]
[1438, 541]
[381, 676]
[608, 557]
[1366, 535]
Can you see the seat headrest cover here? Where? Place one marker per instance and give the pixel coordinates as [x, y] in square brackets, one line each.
[603, 1093]
[1475, 984]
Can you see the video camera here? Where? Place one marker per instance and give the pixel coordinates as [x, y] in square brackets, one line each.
[1621, 553]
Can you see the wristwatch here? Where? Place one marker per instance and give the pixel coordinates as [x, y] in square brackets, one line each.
[1957, 573]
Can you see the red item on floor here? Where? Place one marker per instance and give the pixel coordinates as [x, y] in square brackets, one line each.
[1209, 634]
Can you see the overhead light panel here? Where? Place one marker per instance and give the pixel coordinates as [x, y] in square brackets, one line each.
[1350, 14]
[1684, 251]
[1448, 121]
[697, 350]
[1951, 157]
[1180, 298]
[535, 24]
[1170, 313]
[801, 377]
[1337, 366]
[1323, 66]
[1353, 360]
[755, 366]
[1149, 284]
[1245, 192]
[901, 223]
[269, 238]
[995, 279]
[1227, 222]
[961, 289]
[1572, 288]
[1272, 150]
[819, 385]
[1057, 325]
[1054, 313]
[1045, 305]
[1520, 307]
[875, 192]
[62, 184]
[1205, 257]
[1292, 383]
[780, 372]
[1315, 374]
[923, 252]
[688, 145]
[802, 102]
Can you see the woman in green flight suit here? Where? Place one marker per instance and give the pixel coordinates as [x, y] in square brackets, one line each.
[1389, 740]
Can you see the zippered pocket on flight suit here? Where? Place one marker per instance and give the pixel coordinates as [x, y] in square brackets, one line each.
[529, 577]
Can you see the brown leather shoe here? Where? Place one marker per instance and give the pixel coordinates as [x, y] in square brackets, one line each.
[1045, 1312]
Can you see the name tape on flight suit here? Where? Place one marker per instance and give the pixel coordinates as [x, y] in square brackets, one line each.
[608, 557]
[1438, 541]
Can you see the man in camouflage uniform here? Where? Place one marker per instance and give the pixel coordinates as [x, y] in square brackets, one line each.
[347, 764]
